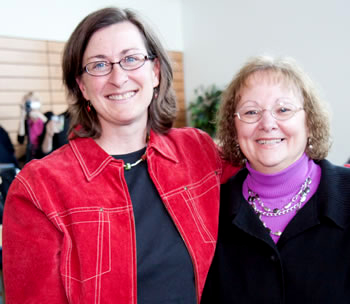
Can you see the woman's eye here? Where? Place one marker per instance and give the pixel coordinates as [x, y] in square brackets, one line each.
[283, 109]
[100, 65]
[251, 112]
[131, 59]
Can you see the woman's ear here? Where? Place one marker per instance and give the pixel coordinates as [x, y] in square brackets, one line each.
[82, 86]
[156, 72]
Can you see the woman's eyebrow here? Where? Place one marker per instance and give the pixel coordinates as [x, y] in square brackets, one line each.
[122, 53]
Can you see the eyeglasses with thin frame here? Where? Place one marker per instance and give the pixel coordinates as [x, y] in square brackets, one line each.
[281, 110]
[127, 63]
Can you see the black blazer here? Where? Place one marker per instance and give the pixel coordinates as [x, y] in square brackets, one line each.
[309, 264]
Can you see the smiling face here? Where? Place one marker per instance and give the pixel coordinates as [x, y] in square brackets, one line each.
[271, 145]
[122, 97]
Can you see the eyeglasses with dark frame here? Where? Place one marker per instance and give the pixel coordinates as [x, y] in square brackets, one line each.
[281, 110]
[127, 63]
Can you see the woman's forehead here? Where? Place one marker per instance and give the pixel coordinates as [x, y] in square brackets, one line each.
[270, 77]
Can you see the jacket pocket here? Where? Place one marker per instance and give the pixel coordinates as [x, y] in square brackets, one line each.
[86, 251]
[197, 204]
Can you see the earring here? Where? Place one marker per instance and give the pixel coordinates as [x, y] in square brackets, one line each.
[155, 93]
[88, 107]
[309, 143]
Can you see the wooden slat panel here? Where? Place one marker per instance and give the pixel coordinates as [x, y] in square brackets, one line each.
[15, 70]
[15, 97]
[178, 86]
[10, 124]
[177, 67]
[178, 82]
[55, 46]
[55, 71]
[7, 112]
[59, 108]
[176, 56]
[178, 75]
[47, 108]
[180, 104]
[20, 57]
[55, 59]
[59, 96]
[56, 85]
[180, 95]
[22, 44]
[24, 84]
[180, 119]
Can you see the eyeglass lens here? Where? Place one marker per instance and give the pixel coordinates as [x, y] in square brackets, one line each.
[280, 111]
[128, 63]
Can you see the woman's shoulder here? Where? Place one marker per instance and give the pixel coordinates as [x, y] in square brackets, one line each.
[188, 133]
[334, 172]
[50, 162]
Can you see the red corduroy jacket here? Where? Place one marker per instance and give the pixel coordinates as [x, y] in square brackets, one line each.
[69, 234]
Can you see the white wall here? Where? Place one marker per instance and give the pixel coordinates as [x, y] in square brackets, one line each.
[220, 35]
[56, 19]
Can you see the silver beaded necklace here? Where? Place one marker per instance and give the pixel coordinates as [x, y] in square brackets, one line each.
[295, 204]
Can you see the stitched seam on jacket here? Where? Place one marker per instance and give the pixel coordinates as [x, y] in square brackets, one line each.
[86, 171]
[99, 243]
[190, 186]
[30, 191]
[88, 209]
[198, 220]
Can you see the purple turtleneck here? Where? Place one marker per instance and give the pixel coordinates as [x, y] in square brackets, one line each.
[277, 190]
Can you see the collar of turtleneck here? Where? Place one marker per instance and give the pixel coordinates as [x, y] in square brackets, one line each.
[284, 184]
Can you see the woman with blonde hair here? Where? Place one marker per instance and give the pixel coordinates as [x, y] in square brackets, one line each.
[284, 227]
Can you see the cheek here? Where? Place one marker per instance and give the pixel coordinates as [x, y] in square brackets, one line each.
[244, 131]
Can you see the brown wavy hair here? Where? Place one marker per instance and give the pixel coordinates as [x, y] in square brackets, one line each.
[162, 110]
[288, 71]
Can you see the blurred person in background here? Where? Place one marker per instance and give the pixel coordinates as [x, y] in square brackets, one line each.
[31, 127]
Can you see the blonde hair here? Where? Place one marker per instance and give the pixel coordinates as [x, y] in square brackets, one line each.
[286, 70]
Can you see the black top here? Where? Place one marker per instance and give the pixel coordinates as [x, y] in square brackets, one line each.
[309, 264]
[7, 152]
[164, 267]
[8, 163]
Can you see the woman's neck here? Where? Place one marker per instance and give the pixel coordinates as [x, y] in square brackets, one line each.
[122, 140]
[279, 184]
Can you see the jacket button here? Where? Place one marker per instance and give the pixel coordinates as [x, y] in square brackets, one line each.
[185, 188]
[273, 258]
[101, 209]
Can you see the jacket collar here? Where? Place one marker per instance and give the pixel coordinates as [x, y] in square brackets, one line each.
[333, 193]
[93, 159]
[331, 201]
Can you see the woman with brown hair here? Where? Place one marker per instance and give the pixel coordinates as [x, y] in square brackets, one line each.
[284, 233]
[127, 211]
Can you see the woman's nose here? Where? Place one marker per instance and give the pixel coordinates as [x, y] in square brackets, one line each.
[118, 76]
[267, 121]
